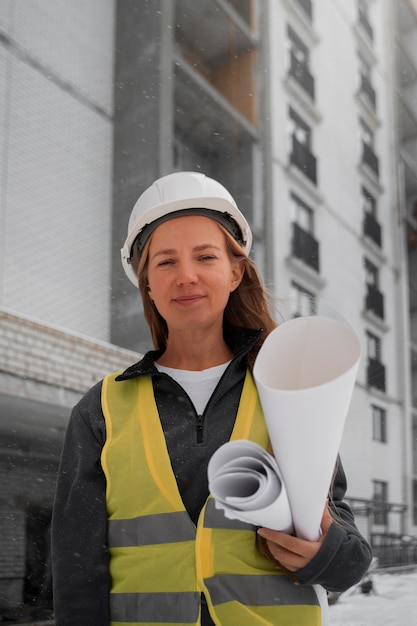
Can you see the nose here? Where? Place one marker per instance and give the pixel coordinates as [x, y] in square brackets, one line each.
[186, 274]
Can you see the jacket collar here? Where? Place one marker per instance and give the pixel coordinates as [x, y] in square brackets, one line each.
[240, 340]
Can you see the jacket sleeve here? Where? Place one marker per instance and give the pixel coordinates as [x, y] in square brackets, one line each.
[79, 523]
[345, 555]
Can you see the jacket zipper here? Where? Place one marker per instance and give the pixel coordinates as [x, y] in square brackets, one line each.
[199, 418]
[200, 425]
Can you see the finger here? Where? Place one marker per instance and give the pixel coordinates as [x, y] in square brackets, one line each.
[283, 541]
[289, 560]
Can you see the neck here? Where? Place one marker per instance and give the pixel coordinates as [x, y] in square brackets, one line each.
[195, 351]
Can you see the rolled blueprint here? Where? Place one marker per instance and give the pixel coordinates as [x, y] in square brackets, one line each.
[305, 375]
[246, 483]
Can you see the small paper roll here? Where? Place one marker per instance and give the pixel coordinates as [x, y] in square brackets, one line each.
[246, 483]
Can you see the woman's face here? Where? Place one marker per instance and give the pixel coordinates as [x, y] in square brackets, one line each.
[190, 273]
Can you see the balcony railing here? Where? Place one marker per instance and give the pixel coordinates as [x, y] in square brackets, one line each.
[394, 550]
[390, 547]
[305, 247]
[372, 229]
[370, 158]
[375, 301]
[367, 89]
[375, 374]
[300, 73]
[302, 158]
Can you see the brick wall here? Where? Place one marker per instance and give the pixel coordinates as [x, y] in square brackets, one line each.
[32, 351]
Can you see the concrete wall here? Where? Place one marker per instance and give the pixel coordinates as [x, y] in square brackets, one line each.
[56, 69]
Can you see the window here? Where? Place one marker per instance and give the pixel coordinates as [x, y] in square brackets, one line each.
[297, 48]
[304, 245]
[368, 154]
[374, 300]
[303, 301]
[299, 61]
[379, 424]
[299, 129]
[375, 369]
[364, 67]
[371, 226]
[374, 346]
[303, 215]
[380, 500]
[367, 135]
[38, 582]
[372, 274]
[365, 80]
[368, 203]
[300, 137]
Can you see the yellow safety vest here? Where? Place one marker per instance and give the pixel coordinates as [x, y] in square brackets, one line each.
[160, 563]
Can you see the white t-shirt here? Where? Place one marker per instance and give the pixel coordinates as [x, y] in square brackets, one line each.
[198, 385]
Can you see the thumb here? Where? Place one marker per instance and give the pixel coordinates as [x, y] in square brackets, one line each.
[326, 520]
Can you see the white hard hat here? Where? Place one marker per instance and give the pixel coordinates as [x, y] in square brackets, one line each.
[178, 194]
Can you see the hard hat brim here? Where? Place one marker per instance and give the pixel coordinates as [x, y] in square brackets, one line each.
[169, 209]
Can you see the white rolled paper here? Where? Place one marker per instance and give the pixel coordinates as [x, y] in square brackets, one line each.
[245, 481]
[305, 374]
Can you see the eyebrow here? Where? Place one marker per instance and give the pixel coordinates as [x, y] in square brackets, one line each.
[203, 246]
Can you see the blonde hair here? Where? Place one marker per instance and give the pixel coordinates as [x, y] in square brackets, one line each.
[248, 304]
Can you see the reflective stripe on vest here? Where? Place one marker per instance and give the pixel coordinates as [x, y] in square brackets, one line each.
[159, 562]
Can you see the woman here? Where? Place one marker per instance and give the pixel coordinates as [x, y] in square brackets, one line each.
[136, 537]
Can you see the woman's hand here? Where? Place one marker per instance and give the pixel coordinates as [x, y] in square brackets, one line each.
[291, 552]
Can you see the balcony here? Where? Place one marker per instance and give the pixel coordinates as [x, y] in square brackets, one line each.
[370, 159]
[300, 73]
[302, 158]
[220, 62]
[367, 89]
[372, 229]
[374, 301]
[305, 247]
[375, 374]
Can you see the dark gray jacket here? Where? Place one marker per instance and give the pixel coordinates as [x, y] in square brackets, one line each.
[79, 525]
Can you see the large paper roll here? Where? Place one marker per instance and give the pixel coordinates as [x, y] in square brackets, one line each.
[305, 374]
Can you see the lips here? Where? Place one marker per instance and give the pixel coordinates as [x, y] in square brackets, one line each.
[188, 299]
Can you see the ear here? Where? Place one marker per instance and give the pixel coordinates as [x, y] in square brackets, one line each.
[149, 291]
[238, 270]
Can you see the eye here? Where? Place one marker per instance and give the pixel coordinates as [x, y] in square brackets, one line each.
[207, 257]
[165, 262]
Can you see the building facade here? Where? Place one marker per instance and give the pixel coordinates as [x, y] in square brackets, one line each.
[405, 16]
[305, 111]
